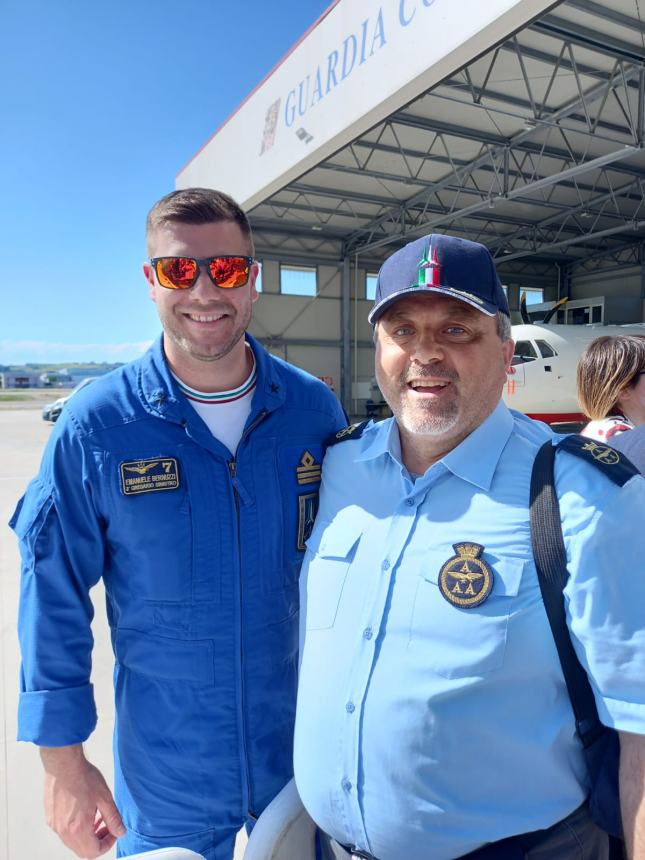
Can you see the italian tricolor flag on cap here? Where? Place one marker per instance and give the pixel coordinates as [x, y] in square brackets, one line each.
[429, 275]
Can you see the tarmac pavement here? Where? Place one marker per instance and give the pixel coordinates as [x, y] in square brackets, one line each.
[24, 834]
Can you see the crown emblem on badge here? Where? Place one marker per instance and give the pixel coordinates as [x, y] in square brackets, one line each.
[468, 550]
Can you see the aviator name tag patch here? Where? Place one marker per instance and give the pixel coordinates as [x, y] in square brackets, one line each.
[149, 476]
[466, 580]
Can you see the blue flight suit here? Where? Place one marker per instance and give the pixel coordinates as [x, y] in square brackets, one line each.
[200, 554]
[431, 722]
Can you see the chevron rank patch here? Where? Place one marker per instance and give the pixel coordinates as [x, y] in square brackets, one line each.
[308, 472]
[466, 580]
[149, 476]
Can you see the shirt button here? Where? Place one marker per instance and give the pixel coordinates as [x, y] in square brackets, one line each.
[409, 502]
[349, 707]
[346, 784]
[386, 564]
[367, 633]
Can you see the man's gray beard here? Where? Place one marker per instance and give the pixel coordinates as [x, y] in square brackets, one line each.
[422, 423]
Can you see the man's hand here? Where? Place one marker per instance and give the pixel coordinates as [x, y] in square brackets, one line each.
[632, 793]
[78, 803]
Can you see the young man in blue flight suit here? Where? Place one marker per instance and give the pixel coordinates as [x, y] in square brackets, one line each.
[433, 720]
[188, 482]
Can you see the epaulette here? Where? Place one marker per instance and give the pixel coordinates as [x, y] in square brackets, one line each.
[611, 462]
[354, 431]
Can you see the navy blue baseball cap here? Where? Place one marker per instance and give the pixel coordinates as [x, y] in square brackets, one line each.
[446, 265]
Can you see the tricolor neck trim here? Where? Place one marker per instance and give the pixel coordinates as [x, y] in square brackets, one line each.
[221, 396]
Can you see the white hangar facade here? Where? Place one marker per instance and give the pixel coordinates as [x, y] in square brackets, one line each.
[516, 123]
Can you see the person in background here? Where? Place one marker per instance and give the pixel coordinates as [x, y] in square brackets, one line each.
[433, 719]
[611, 387]
[188, 482]
[632, 445]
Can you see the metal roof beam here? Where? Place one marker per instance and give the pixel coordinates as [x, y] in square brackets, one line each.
[528, 110]
[462, 133]
[460, 174]
[303, 207]
[531, 187]
[526, 189]
[607, 14]
[294, 228]
[585, 37]
[567, 243]
[357, 196]
[407, 180]
[631, 191]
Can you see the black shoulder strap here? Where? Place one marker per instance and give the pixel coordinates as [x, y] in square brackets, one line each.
[551, 562]
[614, 465]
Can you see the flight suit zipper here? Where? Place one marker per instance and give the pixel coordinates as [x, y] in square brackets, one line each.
[232, 468]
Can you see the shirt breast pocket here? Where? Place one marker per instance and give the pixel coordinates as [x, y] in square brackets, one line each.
[331, 554]
[465, 642]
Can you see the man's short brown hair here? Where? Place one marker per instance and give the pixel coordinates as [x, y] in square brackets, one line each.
[196, 206]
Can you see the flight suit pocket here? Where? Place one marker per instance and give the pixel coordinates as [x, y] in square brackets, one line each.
[149, 532]
[332, 552]
[32, 509]
[465, 641]
[164, 658]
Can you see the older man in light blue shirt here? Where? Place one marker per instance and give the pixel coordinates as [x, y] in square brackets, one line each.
[433, 719]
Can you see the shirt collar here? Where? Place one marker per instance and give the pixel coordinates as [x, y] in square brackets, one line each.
[379, 439]
[473, 460]
[476, 458]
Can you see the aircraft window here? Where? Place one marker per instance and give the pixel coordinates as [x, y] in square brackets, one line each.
[524, 351]
[546, 350]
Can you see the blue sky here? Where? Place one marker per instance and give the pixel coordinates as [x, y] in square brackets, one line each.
[102, 103]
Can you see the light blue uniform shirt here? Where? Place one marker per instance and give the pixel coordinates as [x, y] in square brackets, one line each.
[425, 730]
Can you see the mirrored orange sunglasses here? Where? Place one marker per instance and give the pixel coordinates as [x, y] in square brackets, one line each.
[180, 273]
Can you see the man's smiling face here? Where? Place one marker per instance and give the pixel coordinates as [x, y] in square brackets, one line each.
[440, 365]
[203, 323]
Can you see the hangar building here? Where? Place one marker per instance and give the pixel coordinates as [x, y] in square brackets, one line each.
[516, 123]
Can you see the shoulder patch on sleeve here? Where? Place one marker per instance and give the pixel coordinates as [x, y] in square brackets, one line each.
[354, 431]
[614, 464]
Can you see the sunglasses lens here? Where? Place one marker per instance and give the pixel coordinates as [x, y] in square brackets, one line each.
[176, 273]
[229, 272]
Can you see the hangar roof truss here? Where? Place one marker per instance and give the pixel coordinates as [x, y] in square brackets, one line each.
[534, 148]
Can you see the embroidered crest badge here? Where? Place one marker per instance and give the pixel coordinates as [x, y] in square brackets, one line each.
[307, 510]
[466, 580]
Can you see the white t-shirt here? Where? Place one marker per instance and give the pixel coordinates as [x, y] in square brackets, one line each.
[224, 412]
[606, 428]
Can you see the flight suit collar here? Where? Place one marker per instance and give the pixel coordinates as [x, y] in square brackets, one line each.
[161, 396]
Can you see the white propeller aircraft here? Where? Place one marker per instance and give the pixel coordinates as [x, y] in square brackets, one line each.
[541, 381]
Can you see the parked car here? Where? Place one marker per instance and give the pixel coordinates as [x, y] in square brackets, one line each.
[52, 410]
